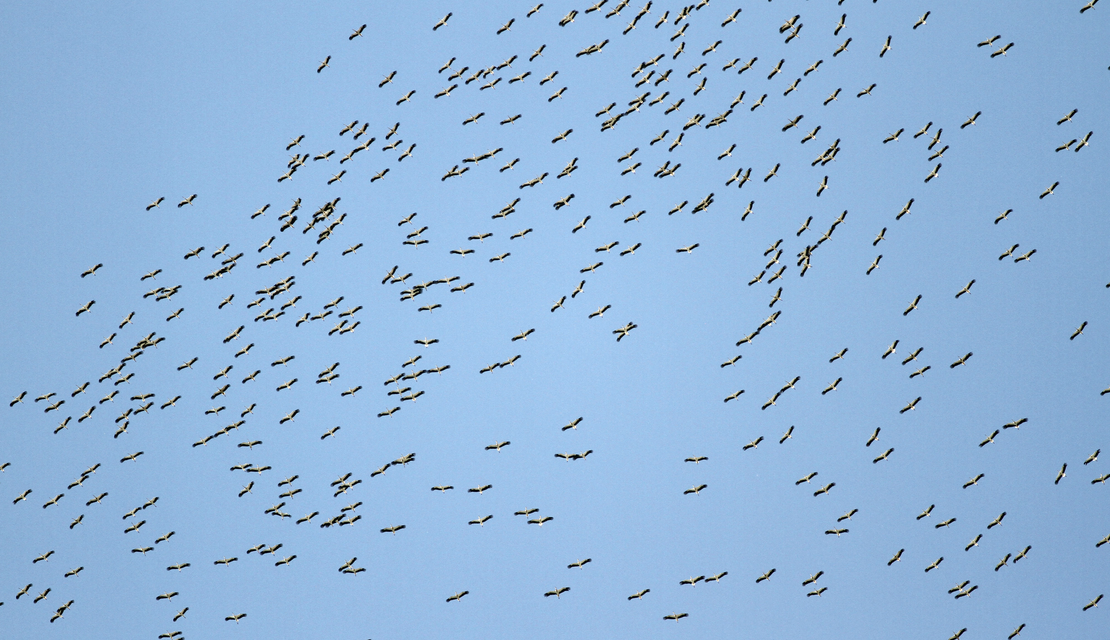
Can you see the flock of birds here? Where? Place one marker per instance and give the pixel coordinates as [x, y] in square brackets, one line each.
[137, 336]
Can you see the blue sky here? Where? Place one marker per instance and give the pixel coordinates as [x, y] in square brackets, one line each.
[113, 107]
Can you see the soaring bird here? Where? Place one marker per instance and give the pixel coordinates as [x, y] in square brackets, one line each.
[911, 406]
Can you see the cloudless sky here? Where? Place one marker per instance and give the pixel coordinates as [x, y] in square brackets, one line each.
[110, 107]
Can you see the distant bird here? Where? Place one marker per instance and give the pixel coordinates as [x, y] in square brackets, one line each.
[1078, 331]
[1061, 474]
[884, 456]
[824, 489]
[897, 557]
[1001, 51]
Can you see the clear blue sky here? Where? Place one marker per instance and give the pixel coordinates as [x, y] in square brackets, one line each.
[110, 108]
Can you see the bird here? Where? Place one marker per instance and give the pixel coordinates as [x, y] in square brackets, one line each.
[236, 618]
[886, 45]
[1061, 474]
[86, 307]
[962, 360]
[675, 616]
[934, 564]
[974, 481]
[639, 594]
[897, 557]
[911, 406]
[457, 596]
[1078, 331]
[1092, 603]
[1049, 191]
[1001, 51]
[824, 489]
[913, 305]
[884, 456]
